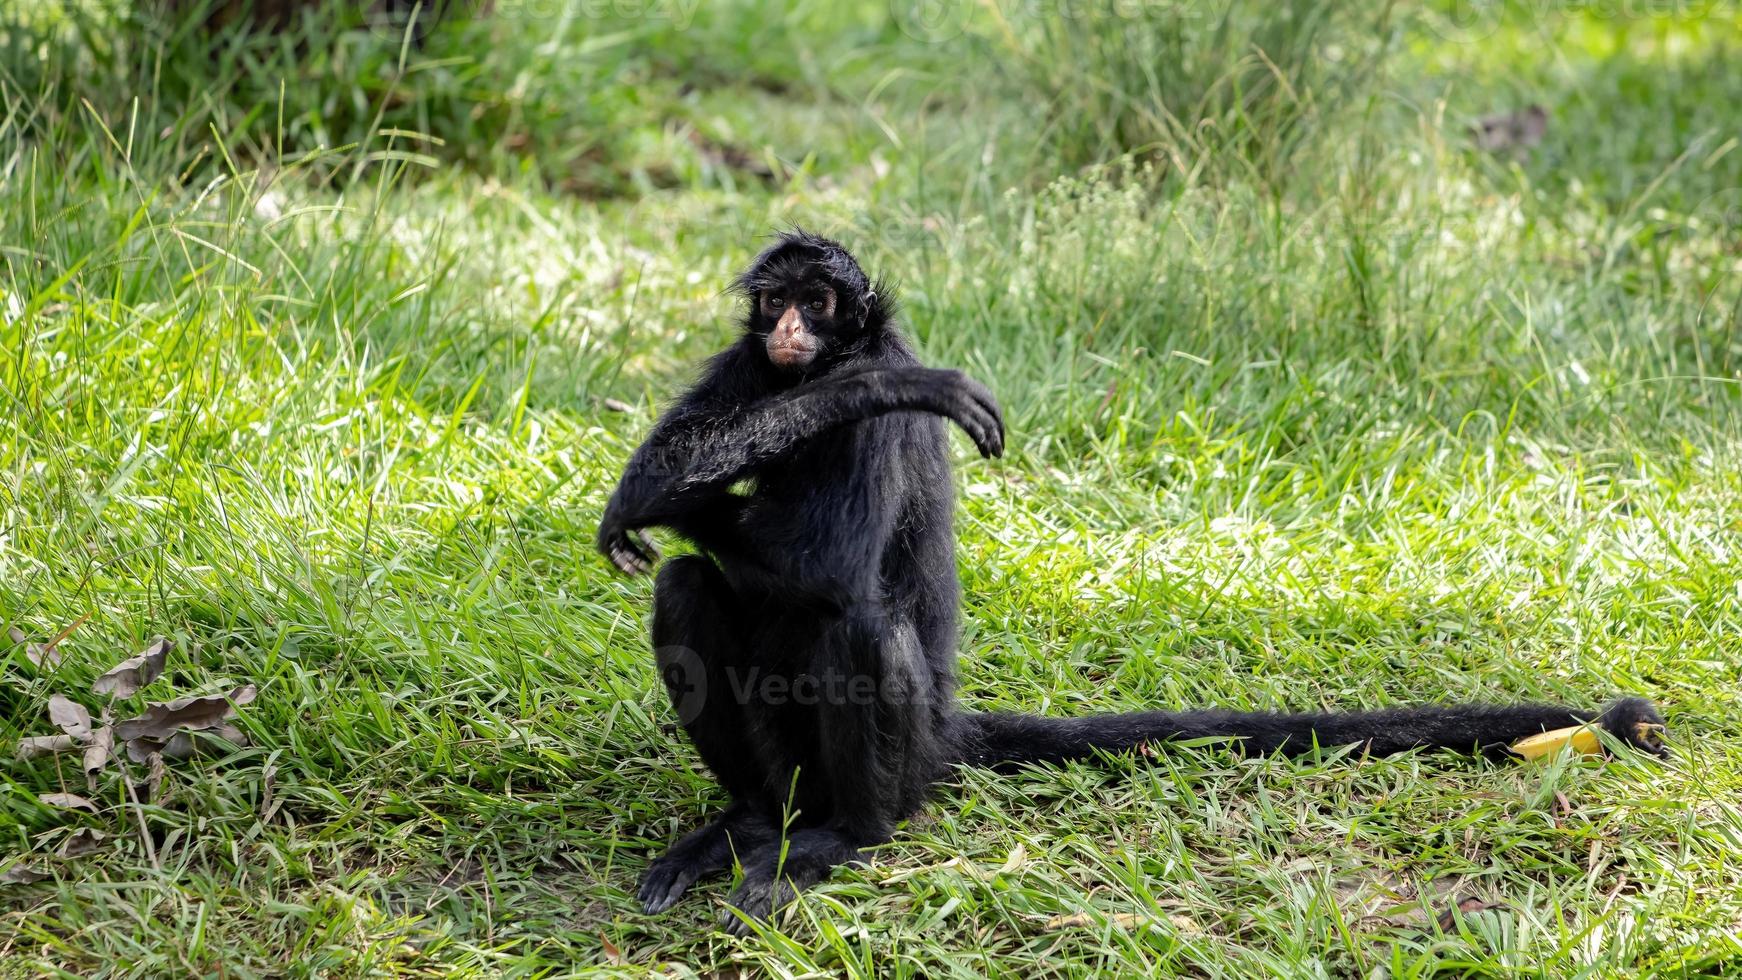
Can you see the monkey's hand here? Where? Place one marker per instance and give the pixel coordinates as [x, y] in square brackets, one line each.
[944, 392]
[632, 551]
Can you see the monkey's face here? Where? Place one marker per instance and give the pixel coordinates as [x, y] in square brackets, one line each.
[799, 316]
[810, 303]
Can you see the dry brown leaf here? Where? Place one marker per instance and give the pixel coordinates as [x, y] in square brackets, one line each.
[229, 733]
[98, 750]
[1448, 920]
[48, 654]
[68, 801]
[81, 842]
[39, 745]
[182, 745]
[39, 655]
[21, 874]
[268, 802]
[162, 720]
[154, 777]
[141, 750]
[1125, 920]
[613, 955]
[1017, 859]
[126, 678]
[70, 715]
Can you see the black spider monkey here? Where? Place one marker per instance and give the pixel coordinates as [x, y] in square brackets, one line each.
[810, 650]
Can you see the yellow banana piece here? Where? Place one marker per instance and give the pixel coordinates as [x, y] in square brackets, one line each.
[1583, 739]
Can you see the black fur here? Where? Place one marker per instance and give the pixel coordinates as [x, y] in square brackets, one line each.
[811, 653]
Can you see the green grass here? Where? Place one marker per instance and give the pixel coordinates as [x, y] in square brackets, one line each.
[314, 353]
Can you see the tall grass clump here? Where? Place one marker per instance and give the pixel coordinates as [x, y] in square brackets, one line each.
[1232, 86]
[577, 97]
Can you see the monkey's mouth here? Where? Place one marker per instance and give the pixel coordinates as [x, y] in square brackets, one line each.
[791, 354]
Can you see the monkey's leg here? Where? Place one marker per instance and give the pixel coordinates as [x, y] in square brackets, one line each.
[875, 726]
[697, 642]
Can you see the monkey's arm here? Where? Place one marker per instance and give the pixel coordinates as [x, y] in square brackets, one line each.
[724, 450]
[848, 527]
[703, 446]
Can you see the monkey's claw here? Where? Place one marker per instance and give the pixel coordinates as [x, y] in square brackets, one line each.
[976, 410]
[664, 882]
[754, 900]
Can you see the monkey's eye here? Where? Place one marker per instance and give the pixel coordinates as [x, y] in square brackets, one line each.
[775, 302]
[816, 306]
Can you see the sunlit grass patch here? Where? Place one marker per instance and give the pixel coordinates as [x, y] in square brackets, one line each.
[1416, 424]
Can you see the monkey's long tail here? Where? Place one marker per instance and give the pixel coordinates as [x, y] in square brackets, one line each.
[1006, 741]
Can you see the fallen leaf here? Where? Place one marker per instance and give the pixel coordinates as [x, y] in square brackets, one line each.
[126, 678]
[268, 801]
[68, 801]
[47, 655]
[154, 778]
[142, 750]
[1017, 858]
[618, 406]
[613, 955]
[38, 654]
[1448, 920]
[1125, 920]
[162, 720]
[21, 874]
[181, 745]
[81, 842]
[98, 750]
[39, 745]
[70, 715]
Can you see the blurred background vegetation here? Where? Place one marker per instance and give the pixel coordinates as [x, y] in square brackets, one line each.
[1354, 354]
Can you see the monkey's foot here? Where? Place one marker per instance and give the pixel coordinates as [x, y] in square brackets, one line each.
[704, 851]
[772, 879]
[754, 900]
[666, 880]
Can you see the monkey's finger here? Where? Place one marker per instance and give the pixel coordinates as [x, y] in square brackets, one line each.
[978, 391]
[990, 435]
[983, 395]
[982, 399]
[624, 562]
[979, 426]
[648, 548]
[662, 887]
[992, 426]
[628, 559]
[732, 925]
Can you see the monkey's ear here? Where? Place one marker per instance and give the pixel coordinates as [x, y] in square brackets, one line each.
[867, 304]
